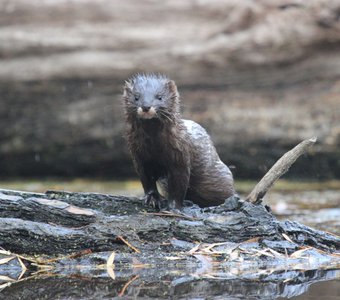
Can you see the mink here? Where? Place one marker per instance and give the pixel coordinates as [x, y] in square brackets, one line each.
[173, 153]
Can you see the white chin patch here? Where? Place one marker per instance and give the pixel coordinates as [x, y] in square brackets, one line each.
[151, 113]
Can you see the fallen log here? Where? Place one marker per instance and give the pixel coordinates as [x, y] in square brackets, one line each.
[62, 222]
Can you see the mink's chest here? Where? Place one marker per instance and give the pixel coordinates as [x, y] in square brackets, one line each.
[155, 147]
[158, 146]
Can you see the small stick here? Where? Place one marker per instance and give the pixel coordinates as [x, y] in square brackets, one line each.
[121, 294]
[170, 214]
[276, 171]
[128, 244]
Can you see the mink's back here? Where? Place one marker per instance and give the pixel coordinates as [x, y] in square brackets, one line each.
[211, 181]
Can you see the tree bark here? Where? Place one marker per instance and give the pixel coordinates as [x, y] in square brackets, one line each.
[62, 222]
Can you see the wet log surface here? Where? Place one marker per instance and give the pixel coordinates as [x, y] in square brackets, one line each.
[61, 222]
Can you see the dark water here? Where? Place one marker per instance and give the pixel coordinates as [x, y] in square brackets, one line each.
[328, 290]
[177, 284]
[318, 208]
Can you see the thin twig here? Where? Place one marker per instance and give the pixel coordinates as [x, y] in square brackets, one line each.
[279, 168]
[170, 214]
[121, 294]
[128, 244]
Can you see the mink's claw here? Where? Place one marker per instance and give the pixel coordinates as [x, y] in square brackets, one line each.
[154, 200]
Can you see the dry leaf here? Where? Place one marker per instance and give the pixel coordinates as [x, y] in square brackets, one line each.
[277, 254]
[263, 252]
[110, 260]
[287, 238]
[7, 284]
[193, 250]
[24, 269]
[110, 265]
[111, 273]
[4, 252]
[298, 253]
[173, 258]
[6, 278]
[6, 260]
[253, 240]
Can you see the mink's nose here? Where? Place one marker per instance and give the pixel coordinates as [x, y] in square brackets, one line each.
[145, 108]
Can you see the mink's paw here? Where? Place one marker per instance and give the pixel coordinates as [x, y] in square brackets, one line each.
[172, 206]
[154, 200]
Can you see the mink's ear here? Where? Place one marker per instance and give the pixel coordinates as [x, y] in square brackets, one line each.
[172, 87]
[127, 88]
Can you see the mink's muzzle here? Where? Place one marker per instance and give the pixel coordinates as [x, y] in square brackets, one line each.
[146, 108]
[146, 112]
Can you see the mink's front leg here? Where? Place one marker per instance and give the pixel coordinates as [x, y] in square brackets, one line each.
[151, 195]
[178, 182]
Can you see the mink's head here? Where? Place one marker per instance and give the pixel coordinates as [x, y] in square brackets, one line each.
[150, 96]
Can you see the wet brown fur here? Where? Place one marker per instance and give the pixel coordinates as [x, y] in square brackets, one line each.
[176, 153]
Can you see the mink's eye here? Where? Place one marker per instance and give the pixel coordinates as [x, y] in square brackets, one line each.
[159, 97]
[136, 97]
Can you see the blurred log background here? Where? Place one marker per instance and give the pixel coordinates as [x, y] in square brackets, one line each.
[260, 75]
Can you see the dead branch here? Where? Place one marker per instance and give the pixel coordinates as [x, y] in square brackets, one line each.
[279, 168]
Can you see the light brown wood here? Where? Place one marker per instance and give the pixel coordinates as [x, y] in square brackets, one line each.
[278, 169]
